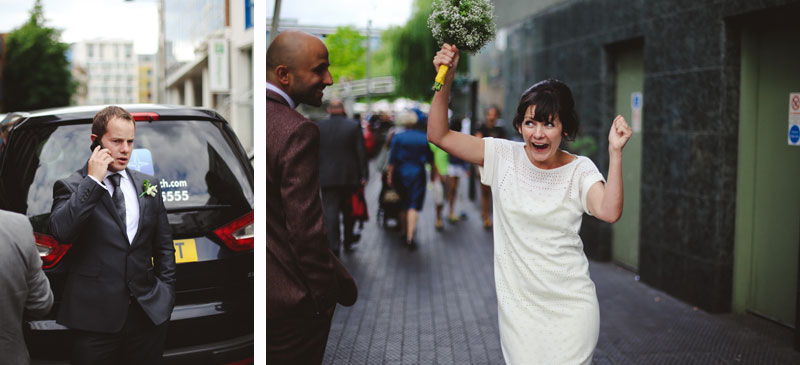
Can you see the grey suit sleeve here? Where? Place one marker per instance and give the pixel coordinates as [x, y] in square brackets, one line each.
[40, 296]
[71, 207]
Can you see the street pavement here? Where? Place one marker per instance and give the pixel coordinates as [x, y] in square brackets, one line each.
[437, 305]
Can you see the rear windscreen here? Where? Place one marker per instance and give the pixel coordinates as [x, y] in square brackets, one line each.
[194, 163]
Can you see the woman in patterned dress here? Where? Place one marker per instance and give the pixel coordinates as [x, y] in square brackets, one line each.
[547, 305]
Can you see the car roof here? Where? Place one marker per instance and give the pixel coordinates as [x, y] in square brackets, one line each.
[65, 115]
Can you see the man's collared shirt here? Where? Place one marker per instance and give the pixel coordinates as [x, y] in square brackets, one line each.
[131, 200]
[281, 93]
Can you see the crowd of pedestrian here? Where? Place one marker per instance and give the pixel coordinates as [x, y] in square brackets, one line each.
[410, 166]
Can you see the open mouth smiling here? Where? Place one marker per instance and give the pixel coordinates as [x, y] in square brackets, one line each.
[540, 147]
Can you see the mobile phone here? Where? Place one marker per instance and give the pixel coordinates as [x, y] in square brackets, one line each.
[96, 143]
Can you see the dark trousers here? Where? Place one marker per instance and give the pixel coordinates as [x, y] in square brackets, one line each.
[335, 201]
[298, 340]
[139, 342]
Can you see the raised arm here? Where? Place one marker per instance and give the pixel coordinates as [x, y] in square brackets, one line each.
[466, 147]
[605, 201]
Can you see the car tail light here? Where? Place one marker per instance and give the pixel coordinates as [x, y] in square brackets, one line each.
[50, 250]
[144, 116]
[238, 235]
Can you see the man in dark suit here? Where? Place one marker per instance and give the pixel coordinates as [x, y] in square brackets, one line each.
[120, 290]
[342, 170]
[304, 278]
[23, 285]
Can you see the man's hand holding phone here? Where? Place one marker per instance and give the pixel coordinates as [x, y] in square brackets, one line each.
[99, 161]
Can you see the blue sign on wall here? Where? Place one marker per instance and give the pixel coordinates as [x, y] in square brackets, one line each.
[794, 134]
[636, 100]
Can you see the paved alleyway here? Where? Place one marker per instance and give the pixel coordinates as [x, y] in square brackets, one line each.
[437, 305]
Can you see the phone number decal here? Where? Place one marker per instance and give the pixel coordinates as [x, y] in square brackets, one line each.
[169, 195]
[175, 195]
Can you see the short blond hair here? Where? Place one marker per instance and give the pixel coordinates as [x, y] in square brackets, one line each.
[407, 119]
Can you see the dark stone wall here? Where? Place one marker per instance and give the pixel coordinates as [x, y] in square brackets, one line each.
[690, 134]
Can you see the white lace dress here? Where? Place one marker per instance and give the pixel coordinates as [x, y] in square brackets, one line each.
[547, 305]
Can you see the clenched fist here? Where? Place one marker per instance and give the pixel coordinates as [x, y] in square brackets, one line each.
[447, 56]
[619, 134]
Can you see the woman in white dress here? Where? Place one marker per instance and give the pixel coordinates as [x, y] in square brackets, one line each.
[547, 305]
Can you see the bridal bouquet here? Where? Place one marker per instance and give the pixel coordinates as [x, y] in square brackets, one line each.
[467, 24]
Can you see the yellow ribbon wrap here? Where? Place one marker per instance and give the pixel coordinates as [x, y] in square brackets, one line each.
[439, 80]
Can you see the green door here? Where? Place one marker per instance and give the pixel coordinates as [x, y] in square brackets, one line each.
[768, 190]
[629, 70]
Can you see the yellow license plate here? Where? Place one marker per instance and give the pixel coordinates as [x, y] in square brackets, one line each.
[185, 251]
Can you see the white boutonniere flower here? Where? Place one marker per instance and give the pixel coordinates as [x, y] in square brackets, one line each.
[148, 189]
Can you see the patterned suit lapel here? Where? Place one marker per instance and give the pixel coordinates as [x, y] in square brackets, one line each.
[271, 95]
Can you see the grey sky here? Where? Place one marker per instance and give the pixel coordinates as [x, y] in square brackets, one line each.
[384, 13]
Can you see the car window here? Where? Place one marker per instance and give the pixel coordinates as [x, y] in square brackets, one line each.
[194, 162]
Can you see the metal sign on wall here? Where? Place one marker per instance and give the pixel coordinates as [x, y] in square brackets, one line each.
[794, 119]
[218, 66]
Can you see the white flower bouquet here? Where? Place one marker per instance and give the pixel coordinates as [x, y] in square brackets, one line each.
[467, 24]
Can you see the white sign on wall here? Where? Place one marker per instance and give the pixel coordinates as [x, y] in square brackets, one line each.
[636, 111]
[794, 119]
[218, 66]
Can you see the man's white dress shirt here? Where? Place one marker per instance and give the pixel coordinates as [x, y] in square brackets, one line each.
[131, 200]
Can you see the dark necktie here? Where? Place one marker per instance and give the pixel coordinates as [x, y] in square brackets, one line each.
[118, 197]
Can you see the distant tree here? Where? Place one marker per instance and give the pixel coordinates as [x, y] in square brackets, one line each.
[381, 58]
[413, 48]
[36, 74]
[347, 53]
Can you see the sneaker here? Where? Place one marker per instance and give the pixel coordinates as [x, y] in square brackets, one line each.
[487, 224]
[453, 219]
[439, 225]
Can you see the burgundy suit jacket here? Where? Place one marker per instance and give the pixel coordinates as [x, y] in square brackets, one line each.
[303, 275]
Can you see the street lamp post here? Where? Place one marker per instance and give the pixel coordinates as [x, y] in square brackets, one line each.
[276, 15]
[369, 102]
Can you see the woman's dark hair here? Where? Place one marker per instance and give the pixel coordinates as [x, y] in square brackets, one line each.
[552, 99]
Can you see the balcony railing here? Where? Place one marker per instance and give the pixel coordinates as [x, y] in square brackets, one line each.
[358, 88]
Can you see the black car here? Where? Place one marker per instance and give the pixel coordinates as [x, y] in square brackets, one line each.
[206, 180]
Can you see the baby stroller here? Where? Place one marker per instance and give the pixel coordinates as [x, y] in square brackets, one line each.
[389, 206]
[388, 203]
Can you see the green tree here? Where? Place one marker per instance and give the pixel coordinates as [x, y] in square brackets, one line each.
[413, 48]
[381, 59]
[36, 73]
[347, 53]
